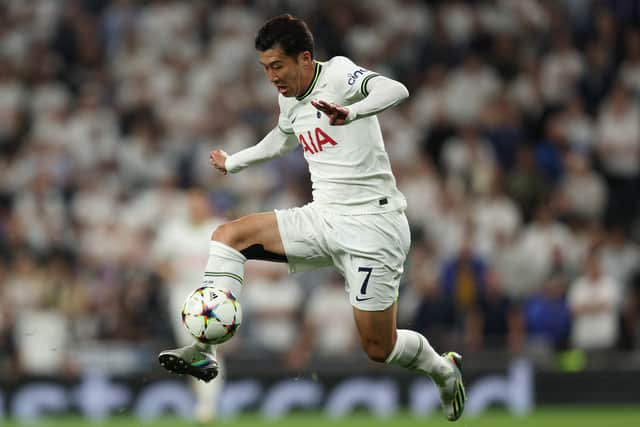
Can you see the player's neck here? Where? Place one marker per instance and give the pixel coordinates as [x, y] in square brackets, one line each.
[307, 79]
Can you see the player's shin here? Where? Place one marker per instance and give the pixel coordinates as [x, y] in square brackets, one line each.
[413, 351]
[225, 271]
[225, 268]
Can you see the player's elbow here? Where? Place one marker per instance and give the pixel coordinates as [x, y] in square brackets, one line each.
[393, 89]
[403, 92]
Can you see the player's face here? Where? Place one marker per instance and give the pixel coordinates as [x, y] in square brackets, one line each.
[288, 74]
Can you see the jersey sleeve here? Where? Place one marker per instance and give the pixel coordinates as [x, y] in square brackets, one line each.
[275, 144]
[284, 125]
[350, 80]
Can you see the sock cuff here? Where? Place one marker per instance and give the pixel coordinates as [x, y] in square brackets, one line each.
[225, 251]
[205, 348]
[408, 348]
[397, 349]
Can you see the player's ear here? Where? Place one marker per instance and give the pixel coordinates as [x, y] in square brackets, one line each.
[305, 58]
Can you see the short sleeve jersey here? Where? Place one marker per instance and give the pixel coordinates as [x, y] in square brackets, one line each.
[349, 167]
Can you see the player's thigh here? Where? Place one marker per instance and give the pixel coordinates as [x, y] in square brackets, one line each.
[303, 233]
[373, 250]
[255, 229]
[377, 329]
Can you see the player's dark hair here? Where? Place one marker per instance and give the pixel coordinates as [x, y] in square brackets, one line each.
[287, 32]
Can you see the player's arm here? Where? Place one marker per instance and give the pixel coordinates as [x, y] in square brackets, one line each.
[275, 144]
[381, 93]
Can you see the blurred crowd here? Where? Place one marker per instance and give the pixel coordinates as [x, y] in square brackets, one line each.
[518, 152]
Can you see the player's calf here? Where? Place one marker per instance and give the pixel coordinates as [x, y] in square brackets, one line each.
[378, 351]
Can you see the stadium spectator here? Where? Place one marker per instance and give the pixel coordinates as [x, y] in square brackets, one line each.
[8, 351]
[495, 323]
[630, 67]
[526, 184]
[620, 258]
[618, 149]
[562, 67]
[594, 301]
[271, 306]
[495, 216]
[547, 316]
[435, 316]
[463, 276]
[582, 191]
[468, 161]
[327, 329]
[546, 245]
[578, 127]
[422, 304]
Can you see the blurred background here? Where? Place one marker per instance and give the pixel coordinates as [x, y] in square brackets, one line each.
[518, 152]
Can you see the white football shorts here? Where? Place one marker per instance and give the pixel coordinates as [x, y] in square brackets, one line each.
[369, 250]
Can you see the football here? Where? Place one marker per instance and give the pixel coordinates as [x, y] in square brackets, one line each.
[211, 315]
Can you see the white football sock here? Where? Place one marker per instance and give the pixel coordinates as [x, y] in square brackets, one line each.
[413, 351]
[224, 270]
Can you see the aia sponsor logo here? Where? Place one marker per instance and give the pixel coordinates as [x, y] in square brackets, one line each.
[313, 141]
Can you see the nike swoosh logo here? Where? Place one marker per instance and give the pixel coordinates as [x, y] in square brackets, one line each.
[200, 363]
[362, 299]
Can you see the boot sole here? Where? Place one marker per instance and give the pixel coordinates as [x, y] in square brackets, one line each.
[178, 366]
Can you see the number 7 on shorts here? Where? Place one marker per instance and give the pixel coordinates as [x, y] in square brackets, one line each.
[368, 270]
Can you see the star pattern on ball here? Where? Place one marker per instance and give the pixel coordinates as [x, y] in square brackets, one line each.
[212, 308]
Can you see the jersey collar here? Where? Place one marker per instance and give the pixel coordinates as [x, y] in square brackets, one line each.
[312, 85]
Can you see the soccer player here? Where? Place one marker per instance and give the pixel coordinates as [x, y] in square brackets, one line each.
[356, 221]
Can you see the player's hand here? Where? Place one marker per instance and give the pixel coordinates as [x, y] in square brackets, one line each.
[218, 158]
[337, 114]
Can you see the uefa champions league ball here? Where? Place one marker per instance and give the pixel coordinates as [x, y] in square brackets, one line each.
[211, 315]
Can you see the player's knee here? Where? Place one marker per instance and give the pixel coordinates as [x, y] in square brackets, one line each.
[377, 351]
[224, 234]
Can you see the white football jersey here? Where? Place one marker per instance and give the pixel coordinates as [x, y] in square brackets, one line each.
[349, 167]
